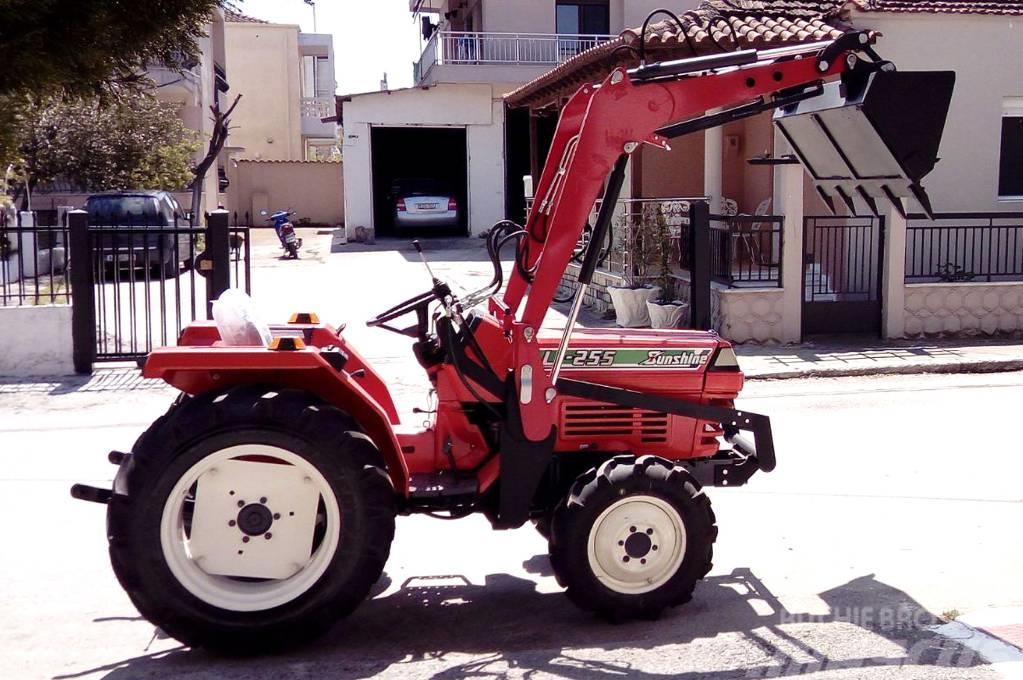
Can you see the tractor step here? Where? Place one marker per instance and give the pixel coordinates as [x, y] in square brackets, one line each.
[442, 485]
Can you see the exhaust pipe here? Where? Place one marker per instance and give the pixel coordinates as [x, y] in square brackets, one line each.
[872, 137]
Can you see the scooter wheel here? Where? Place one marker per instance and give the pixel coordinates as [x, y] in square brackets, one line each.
[292, 251]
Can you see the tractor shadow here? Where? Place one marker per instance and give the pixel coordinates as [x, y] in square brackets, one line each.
[445, 627]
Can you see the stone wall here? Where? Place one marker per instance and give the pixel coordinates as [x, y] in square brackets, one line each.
[963, 309]
[749, 314]
[597, 298]
[739, 314]
[36, 341]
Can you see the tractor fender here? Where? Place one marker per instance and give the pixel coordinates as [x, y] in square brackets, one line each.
[198, 370]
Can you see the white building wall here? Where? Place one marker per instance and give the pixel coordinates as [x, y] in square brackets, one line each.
[985, 52]
[518, 16]
[538, 16]
[36, 340]
[476, 107]
[634, 12]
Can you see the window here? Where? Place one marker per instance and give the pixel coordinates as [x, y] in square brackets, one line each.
[317, 77]
[583, 17]
[1010, 165]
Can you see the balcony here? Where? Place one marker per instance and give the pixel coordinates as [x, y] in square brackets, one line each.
[502, 49]
[179, 80]
[314, 110]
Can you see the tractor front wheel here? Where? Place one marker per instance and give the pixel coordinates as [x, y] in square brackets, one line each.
[632, 538]
[252, 521]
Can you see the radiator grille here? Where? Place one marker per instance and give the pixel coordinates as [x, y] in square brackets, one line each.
[589, 421]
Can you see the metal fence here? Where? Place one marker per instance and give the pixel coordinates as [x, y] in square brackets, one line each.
[745, 250]
[472, 47]
[962, 247]
[33, 260]
[137, 283]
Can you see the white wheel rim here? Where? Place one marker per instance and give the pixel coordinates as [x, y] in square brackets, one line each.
[223, 542]
[637, 544]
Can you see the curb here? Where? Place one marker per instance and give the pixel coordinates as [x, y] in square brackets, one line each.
[1004, 658]
[989, 366]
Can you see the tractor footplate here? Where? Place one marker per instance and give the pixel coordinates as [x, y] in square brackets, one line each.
[441, 485]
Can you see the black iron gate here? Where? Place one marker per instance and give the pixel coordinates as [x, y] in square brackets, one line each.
[144, 283]
[842, 259]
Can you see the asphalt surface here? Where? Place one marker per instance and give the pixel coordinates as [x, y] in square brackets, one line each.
[896, 499]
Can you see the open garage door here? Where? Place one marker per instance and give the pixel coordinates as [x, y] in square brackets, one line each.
[420, 185]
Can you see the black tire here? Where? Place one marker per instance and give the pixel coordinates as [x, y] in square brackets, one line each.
[169, 270]
[292, 251]
[601, 488]
[194, 428]
[543, 526]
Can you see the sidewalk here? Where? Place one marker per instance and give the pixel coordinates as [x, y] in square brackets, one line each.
[812, 360]
[856, 357]
[995, 633]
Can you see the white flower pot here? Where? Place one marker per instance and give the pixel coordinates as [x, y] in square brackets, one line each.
[630, 305]
[10, 270]
[666, 315]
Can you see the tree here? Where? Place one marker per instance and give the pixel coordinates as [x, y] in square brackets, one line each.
[131, 142]
[221, 128]
[83, 47]
[87, 48]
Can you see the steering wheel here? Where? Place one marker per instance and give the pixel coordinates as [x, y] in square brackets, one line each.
[419, 304]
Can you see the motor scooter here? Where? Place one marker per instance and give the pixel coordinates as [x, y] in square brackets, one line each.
[286, 232]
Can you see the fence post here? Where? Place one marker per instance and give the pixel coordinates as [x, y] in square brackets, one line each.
[699, 271]
[788, 202]
[892, 235]
[83, 291]
[218, 247]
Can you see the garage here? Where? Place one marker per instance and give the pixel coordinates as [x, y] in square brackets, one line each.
[412, 168]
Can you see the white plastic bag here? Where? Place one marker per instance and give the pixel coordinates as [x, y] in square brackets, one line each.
[238, 321]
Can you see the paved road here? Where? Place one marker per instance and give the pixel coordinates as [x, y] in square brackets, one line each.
[896, 499]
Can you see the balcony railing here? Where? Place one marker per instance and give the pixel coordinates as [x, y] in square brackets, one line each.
[317, 107]
[531, 49]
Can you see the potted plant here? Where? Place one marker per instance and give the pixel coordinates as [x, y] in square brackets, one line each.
[629, 300]
[9, 270]
[664, 310]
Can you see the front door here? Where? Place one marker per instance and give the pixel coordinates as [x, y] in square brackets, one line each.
[842, 275]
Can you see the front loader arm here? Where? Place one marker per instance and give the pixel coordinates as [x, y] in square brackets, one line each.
[600, 123]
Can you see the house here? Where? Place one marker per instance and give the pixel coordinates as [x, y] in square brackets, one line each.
[286, 79]
[452, 124]
[789, 268]
[282, 152]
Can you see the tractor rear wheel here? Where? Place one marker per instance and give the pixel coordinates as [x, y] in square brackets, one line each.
[253, 520]
[632, 538]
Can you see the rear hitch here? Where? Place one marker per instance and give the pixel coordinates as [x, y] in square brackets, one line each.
[93, 494]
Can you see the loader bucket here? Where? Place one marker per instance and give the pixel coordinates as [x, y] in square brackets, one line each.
[874, 139]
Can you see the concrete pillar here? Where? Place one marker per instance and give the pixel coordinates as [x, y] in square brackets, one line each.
[893, 273]
[788, 199]
[713, 143]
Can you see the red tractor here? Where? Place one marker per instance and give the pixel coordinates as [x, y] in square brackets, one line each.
[260, 508]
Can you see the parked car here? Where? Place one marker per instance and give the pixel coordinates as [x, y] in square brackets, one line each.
[163, 251]
[420, 202]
